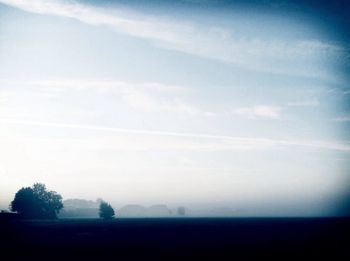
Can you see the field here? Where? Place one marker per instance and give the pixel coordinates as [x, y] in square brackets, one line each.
[186, 238]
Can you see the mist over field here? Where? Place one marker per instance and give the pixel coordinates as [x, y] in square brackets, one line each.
[227, 108]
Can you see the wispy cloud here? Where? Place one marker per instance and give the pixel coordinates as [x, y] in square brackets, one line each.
[345, 118]
[146, 97]
[120, 20]
[262, 111]
[222, 142]
[6, 95]
[114, 86]
[299, 57]
[304, 103]
[148, 103]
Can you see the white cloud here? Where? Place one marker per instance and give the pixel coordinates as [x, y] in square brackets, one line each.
[299, 57]
[267, 112]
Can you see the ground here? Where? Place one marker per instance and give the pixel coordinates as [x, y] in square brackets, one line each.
[182, 238]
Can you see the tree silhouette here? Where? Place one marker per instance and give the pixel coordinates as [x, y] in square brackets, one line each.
[106, 210]
[37, 202]
[181, 211]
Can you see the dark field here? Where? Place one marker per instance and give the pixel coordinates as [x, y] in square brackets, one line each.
[188, 238]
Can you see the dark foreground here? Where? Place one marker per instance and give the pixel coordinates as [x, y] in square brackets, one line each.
[176, 239]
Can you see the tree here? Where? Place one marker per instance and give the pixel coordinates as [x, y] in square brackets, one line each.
[37, 202]
[106, 210]
[181, 211]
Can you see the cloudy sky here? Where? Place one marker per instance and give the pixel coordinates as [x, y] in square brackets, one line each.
[200, 103]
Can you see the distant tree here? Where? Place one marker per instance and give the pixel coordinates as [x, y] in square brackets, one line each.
[181, 211]
[106, 210]
[37, 202]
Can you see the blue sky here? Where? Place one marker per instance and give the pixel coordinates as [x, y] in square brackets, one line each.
[196, 103]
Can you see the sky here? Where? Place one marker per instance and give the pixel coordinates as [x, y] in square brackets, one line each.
[208, 104]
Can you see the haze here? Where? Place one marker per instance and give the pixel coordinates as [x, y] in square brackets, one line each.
[205, 104]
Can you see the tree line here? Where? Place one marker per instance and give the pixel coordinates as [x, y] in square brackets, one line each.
[37, 202]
